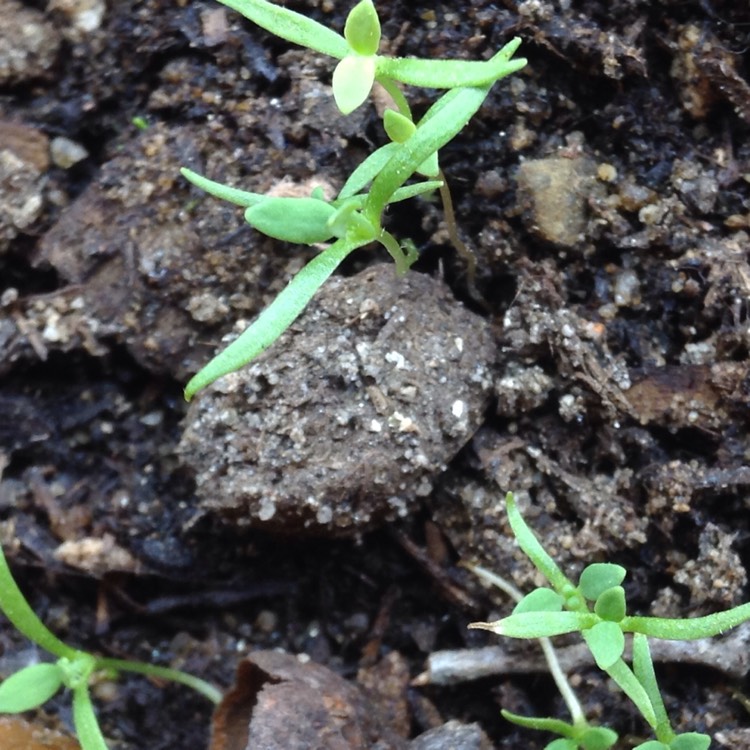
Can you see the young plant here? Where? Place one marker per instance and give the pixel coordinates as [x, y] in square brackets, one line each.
[34, 685]
[354, 218]
[596, 608]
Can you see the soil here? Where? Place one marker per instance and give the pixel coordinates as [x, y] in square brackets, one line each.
[320, 501]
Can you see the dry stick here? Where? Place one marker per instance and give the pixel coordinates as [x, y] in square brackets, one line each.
[730, 655]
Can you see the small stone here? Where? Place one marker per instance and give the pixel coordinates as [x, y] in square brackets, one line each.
[66, 153]
[554, 194]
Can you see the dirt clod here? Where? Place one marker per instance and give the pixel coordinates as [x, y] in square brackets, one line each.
[349, 418]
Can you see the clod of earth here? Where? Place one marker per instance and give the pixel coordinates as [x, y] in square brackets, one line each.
[346, 422]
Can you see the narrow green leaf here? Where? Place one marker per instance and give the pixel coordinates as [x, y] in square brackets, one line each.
[441, 123]
[556, 726]
[689, 629]
[224, 192]
[84, 719]
[275, 319]
[362, 28]
[366, 172]
[15, 607]
[534, 550]
[292, 26]
[164, 673]
[538, 624]
[300, 220]
[418, 188]
[352, 82]
[597, 578]
[606, 642]
[449, 74]
[539, 600]
[643, 668]
[29, 687]
[621, 673]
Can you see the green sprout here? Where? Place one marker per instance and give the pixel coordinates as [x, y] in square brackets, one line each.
[34, 685]
[567, 608]
[355, 217]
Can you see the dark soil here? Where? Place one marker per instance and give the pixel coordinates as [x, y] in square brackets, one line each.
[599, 366]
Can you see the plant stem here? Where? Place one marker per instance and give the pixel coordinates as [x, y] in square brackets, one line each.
[166, 673]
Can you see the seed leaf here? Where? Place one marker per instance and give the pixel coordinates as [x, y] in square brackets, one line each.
[299, 220]
[352, 81]
[539, 600]
[597, 578]
[606, 642]
[29, 687]
[610, 604]
[362, 29]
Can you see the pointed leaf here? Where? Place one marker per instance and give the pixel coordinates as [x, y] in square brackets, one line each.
[597, 578]
[643, 668]
[29, 687]
[368, 170]
[449, 74]
[688, 629]
[226, 193]
[292, 26]
[556, 726]
[623, 675]
[538, 624]
[352, 82]
[275, 319]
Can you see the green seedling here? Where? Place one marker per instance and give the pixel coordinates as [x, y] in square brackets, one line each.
[596, 608]
[355, 217]
[73, 670]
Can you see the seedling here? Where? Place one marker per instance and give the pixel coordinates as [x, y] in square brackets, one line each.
[74, 670]
[354, 218]
[596, 608]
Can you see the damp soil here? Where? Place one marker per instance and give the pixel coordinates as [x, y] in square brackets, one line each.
[319, 503]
